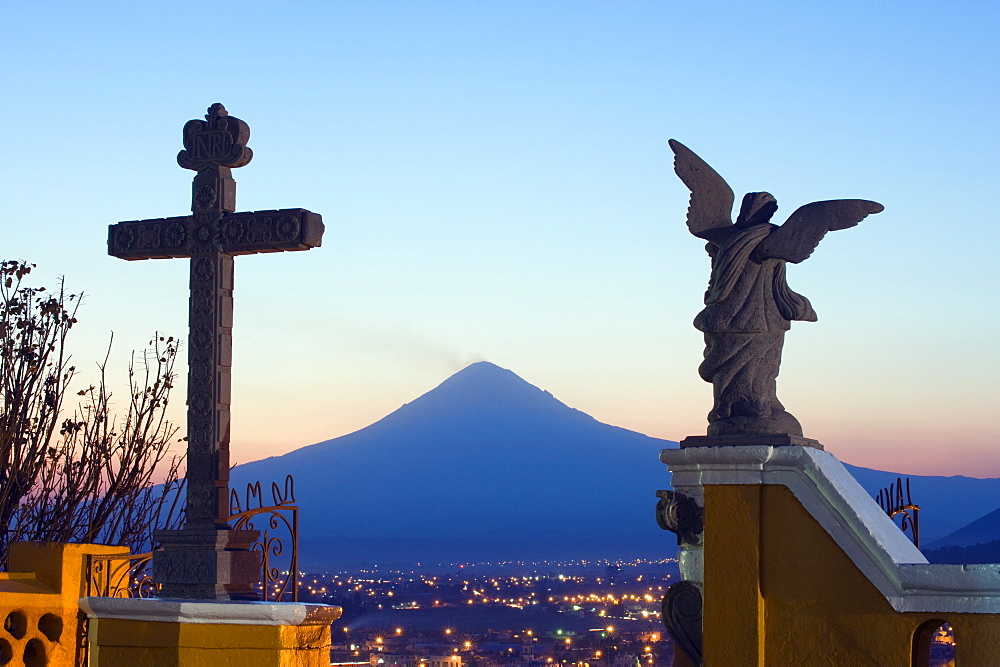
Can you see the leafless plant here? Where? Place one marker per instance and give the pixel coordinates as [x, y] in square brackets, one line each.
[92, 480]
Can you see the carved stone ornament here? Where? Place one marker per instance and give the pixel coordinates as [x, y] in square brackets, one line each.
[201, 337]
[680, 514]
[205, 196]
[682, 606]
[218, 141]
[202, 269]
[202, 302]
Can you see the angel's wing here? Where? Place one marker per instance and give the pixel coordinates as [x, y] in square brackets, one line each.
[711, 204]
[798, 237]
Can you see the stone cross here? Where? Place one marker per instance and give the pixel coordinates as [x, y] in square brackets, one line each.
[207, 560]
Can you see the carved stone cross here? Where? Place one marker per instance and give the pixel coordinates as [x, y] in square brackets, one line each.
[207, 560]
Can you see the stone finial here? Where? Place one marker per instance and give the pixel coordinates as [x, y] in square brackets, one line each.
[218, 141]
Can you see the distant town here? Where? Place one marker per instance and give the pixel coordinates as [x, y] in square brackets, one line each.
[593, 613]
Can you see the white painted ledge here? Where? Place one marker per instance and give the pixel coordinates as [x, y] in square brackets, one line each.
[851, 517]
[197, 611]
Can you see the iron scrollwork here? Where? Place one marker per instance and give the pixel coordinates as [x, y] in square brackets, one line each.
[895, 502]
[130, 575]
[680, 514]
[281, 519]
[120, 576]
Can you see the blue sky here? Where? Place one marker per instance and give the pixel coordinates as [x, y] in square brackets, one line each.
[496, 184]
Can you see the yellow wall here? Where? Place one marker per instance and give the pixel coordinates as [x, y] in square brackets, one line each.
[779, 591]
[38, 600]
[731, 587]
[126, 643]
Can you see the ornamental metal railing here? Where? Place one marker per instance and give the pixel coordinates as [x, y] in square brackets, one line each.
[130, 575]
[896, 502]
[276, 522]
[121, 576]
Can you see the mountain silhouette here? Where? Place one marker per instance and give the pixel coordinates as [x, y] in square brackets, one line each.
[983, 530]
[489, 467]
[977, 542]
[484, 467]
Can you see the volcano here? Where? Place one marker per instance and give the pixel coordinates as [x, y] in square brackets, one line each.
[487, 467]
[484, 467]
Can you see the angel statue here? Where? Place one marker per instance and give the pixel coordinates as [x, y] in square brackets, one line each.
[748, 305]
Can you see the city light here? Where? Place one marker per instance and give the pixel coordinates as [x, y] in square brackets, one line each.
[621, 613]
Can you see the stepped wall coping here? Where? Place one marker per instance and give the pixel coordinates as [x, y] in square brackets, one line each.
[872, 541]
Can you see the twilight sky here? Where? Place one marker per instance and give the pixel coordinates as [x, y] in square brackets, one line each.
[496, 184]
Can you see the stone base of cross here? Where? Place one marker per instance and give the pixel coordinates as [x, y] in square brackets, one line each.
[207, 563]
[206, 559]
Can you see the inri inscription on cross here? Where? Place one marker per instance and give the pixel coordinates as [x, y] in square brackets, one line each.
[206, 560]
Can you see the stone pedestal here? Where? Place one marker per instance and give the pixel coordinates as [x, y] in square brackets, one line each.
[767, 439]
[207, 563]
[130, 632]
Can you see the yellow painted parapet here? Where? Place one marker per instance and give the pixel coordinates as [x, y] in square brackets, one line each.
[797, 565]
[38, 600]
[137, 632]
[42, 599]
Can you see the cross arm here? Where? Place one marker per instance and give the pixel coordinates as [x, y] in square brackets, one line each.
[270, 231]
[160, 238]
[238, 234]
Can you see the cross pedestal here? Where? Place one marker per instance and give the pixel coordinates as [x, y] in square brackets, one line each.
[206, 559]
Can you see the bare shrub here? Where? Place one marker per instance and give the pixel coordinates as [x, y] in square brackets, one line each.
[88, 477]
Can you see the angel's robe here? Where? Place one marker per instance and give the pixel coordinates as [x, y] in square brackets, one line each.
[747, 294]
[748, 308]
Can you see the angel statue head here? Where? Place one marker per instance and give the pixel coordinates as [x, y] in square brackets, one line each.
[748, 304]
[756, 209]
